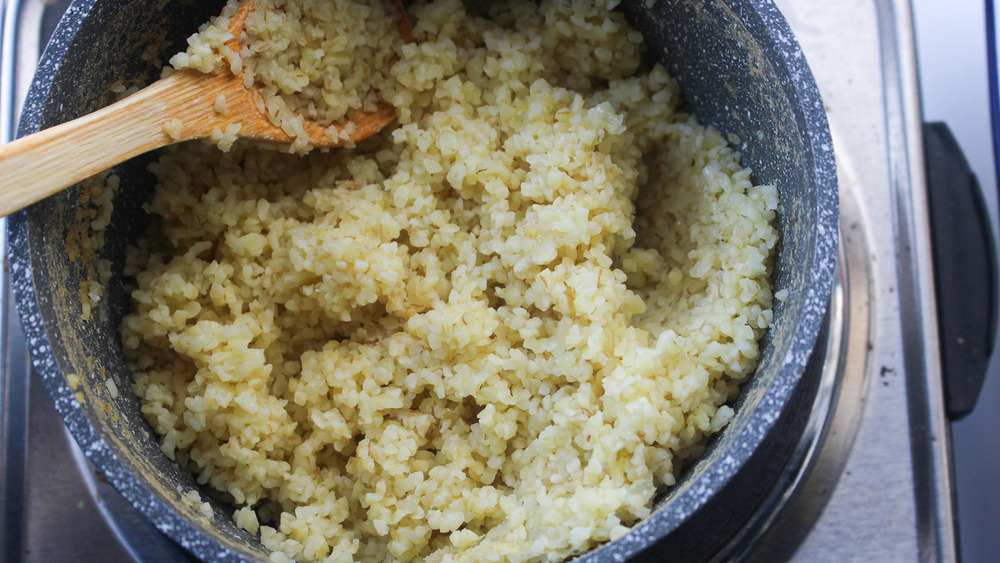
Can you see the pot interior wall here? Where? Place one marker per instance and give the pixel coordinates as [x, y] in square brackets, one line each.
[101, 46]
[737, 75]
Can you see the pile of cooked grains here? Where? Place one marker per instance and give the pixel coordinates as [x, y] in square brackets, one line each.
[321, 60]
[489, 334]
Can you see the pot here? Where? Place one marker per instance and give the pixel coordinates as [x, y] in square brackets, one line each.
[741, 71]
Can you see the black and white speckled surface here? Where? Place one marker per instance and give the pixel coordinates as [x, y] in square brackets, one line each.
[742, 72]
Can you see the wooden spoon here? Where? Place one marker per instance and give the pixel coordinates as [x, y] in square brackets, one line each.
[41, 164]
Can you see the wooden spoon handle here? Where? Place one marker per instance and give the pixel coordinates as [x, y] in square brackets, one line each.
[36, 166]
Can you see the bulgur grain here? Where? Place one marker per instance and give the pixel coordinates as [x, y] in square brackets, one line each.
[490, 334]
[308, 59]
[172, 128]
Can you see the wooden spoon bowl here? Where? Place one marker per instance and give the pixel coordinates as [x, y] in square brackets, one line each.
[177, 108]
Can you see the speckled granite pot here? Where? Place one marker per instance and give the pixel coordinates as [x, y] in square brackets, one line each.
[741, 71]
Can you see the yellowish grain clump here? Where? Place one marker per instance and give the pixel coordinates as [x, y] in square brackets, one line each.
[309, 59]
[490, 334]
[85, 240]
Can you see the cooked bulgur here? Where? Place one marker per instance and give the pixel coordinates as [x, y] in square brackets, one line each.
[489, 334]
[315, 59]
[85, 239]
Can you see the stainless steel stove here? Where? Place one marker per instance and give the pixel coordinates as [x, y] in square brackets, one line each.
[871, 480]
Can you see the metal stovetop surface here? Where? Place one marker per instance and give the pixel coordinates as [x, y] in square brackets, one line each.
[875, 480]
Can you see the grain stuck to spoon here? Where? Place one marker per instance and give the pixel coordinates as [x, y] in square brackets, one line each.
[202, 101]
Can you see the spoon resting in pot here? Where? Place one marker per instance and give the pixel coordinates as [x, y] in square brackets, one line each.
[180, 107]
